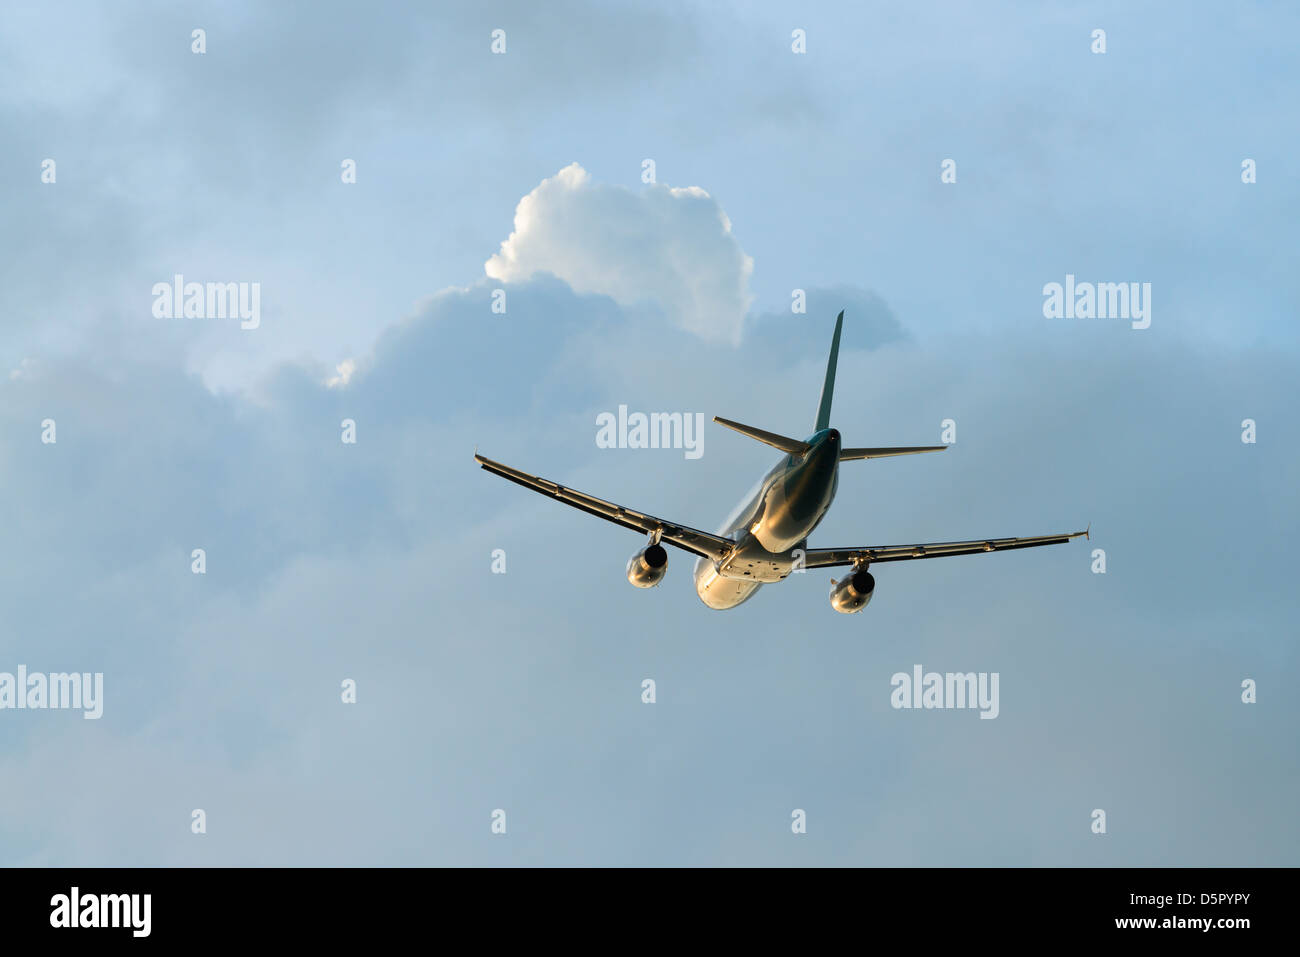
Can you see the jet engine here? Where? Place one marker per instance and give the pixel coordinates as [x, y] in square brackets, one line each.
[647, 567]
[852, 592]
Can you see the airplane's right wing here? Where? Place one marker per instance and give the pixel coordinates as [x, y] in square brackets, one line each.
[829, 557]
[713, 547]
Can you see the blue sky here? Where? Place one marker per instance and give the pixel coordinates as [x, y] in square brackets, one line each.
[522, 691]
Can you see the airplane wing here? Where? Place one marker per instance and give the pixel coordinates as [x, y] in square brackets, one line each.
[829, 557]
[713, 547]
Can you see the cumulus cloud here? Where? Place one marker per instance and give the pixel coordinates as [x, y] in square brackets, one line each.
[672, 247]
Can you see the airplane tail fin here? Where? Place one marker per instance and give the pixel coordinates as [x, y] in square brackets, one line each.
[824, 411]
[828, 387]
[796, 447]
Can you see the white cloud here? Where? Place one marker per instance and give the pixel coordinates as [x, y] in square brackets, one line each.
[671, 247]
[345, 369]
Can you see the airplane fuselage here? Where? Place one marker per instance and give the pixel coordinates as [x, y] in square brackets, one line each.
[773, 522]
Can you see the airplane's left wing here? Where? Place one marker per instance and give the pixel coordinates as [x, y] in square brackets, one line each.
[713, 547]
[829, 557]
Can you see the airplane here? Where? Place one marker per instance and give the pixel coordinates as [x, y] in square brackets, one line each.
[765, 539]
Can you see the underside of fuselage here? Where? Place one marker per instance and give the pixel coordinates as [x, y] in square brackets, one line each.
[718, 592]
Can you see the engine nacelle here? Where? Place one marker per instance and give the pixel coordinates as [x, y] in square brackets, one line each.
[852, 592]
[647, 567]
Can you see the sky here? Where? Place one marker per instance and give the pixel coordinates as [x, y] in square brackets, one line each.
[522, 179]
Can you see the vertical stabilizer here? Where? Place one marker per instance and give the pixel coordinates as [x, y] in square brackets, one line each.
[828, 387]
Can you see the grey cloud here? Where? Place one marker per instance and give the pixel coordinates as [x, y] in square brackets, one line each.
[522, 691]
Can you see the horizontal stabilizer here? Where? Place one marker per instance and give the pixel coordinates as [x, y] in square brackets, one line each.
[849, 455]
[784, 443]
